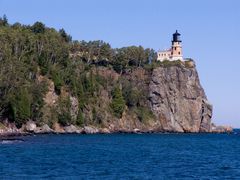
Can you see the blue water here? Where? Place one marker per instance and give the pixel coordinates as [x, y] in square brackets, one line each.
[122, 156]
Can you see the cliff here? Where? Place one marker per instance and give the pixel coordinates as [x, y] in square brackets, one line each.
[178, 100]
[172, 93]
[170, 99]
[50, 83]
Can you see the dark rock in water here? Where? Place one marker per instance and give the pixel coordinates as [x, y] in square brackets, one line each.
[179, 101]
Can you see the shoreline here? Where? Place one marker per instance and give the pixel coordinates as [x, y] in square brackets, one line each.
[14, 136]
[30, 128]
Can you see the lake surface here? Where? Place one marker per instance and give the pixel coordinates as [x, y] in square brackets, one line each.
[122, 156]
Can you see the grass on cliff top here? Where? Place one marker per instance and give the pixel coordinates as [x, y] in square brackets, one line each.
[188, 63]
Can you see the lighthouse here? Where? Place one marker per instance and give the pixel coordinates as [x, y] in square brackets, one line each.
[175, 52]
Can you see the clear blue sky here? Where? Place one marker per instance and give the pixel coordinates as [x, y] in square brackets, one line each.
[210, 32]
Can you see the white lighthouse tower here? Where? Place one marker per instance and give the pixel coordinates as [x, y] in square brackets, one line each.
[175, 52]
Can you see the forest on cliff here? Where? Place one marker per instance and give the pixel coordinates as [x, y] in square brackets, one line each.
[48, 78]
[32, 56]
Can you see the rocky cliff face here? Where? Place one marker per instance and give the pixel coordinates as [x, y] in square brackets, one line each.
[174, 93]
[178, 100]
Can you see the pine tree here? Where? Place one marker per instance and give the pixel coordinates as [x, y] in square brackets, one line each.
[80, 118]
[118, 102]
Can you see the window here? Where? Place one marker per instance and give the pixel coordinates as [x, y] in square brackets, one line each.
[175, 48]
[179, 53]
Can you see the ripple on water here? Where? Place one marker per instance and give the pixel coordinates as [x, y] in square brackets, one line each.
[122, 156]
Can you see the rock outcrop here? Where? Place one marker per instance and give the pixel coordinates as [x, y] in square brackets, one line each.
[30, 126]
[74, 107]
[72, 129]
[173, 93]
[43, 129]
[178, 100]
[9, 129]
[90, 130]
[221, 129]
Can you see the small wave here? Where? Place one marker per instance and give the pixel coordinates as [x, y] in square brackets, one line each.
[10, 141]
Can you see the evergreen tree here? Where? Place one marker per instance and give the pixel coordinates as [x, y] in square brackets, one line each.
[20, 107]
[65, 36]
[118, 102]
[38, 27]
[4, 21]
[34, 54]
[80, 118]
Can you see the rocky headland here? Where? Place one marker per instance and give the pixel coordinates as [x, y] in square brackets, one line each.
[50, 83]
[174, 96]
[179, 101]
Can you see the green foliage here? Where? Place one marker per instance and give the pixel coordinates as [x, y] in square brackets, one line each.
[80, 118]
[4, 21]
[57, 79]
[122, 59]
[119, 66]
[132, 95]
[38, 92]
[2, 126]
[87, 84]
[31, 53]
[64, 116]
[153, 65]
[43, 64]
[118, 102]
[168, 63]
[90, 85]
[25, 50]
[189, 63]
[144, 114]
[38, 27]
[132, 56]
[81, 96]
[105, 51]
[92, 52]
[65, 36]
[20, 107]
[94, 114]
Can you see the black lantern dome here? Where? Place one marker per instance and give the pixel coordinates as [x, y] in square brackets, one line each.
[176, 37]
